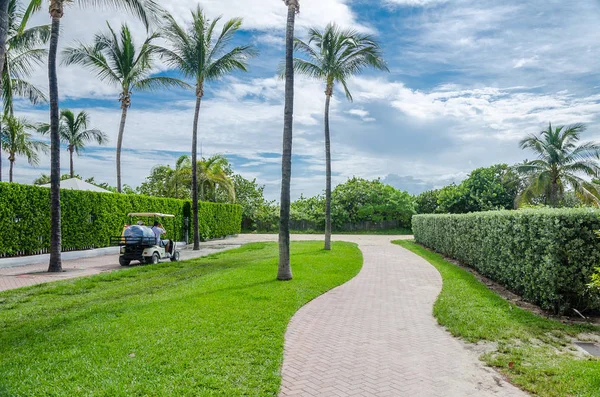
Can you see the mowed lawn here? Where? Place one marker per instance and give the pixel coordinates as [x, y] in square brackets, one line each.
[533, 352]
[211, 326]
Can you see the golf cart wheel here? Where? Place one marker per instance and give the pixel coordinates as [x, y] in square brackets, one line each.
[124, 262]
[175, 257]
[153, 260]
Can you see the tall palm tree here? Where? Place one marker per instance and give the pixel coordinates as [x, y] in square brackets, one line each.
[75, 134]
[3, 30]
[116, 60]
[561, 162]
[22, 54]
[197, 56]
[284, 271]
[333, 56]
[145, 10]
[18, 142]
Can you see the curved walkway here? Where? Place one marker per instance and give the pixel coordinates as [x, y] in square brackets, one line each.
[376, 336]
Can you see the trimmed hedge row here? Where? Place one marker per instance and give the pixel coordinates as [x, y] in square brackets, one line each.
[89, 219]
[546, 256]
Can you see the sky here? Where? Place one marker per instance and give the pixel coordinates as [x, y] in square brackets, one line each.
[468, 79]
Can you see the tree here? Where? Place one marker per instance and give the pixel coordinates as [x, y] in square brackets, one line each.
[18, 142]
[3, 30]
[561, 161]
[284, 271]
[116, 60]
[427, 202]
[198, 57]
[360, 200]
[75, 134]
[333, 56]
[250, 195]
[22, 54]
[144, 9]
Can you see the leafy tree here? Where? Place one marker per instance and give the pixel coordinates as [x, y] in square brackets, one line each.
[284, 270]
[309, 209]
[18, 142]
[493, 188]
[144, 9]
[456, 199]
[250, 195]
[427, 202]
[117, 61]
[561, 160]
[3, 30]
[75, 134]
[22, 54]
[359, 200]
[157, 183]
[333, 56]
[198, 57]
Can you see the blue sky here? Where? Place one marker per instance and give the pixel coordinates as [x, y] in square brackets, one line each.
[468, 79]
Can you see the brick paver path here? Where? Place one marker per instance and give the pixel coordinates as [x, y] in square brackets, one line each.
[376, 336]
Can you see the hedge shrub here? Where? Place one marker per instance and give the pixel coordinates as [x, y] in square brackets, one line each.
[89, 219]
[547, 256]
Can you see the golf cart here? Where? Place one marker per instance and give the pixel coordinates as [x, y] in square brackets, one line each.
[138, 242]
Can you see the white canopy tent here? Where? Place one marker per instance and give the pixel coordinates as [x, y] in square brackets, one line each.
[78, 184]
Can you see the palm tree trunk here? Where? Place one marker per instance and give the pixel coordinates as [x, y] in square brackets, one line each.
[55, 265]
[71, 162]
[125, 103]
[3, 31]
[285, 269]
[10, 172]
[327, 172]
[199, 94]
[0, 149]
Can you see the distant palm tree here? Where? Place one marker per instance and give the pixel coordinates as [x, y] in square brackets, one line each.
[284, 271]
[333, 56]
[197, 56]
[117, 61]
[18, 142]
[561, 162]
[212, 175]
[22, 54]
[75, 134]
[145, 10]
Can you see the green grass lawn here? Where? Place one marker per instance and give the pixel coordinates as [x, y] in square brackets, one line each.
[535, 353]
[211, 326]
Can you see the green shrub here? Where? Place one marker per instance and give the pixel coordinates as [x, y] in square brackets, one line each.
[89, 219]
[547, 256]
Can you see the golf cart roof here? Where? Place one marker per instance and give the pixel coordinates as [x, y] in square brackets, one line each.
[151, 215]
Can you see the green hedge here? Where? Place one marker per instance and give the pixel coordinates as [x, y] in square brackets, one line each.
[546, 256]
[89, 219]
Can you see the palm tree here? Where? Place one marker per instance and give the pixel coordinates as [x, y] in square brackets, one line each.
[21, 56]
[333, 56]
[197, 56]
[75, 134]
[3, 30]
[561, 162]
[284, 271]
[213, 174]
[18, 142]
[116, 61]
[145, 10]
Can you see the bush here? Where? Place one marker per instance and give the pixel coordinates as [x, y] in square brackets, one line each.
[89, 219]
[547, 256]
